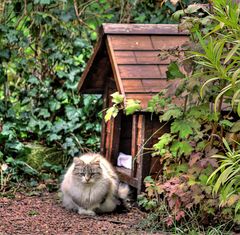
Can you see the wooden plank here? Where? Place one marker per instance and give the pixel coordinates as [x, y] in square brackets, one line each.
[145, 160]
[114, 66]
[142, 71]
[107, 143]
[134, 145]
[131, 42]
[147, 42]
[125, 176]
[141, 57]
[168, 42]
[144, 85]
[115, 139]
[142, 29]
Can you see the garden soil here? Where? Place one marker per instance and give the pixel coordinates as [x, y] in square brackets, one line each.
[44, 215]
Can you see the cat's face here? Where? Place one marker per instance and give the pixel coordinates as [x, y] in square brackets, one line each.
[87, 173]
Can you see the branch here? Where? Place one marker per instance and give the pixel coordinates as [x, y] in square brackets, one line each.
[77, 14]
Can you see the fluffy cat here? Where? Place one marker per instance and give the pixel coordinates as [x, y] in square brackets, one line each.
[91, 185]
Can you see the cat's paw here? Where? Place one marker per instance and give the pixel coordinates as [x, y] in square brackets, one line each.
[86, 212]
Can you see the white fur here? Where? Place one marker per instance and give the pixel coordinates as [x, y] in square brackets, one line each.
[86, 198]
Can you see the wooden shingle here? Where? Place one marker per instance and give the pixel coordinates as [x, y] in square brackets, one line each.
[131, 53]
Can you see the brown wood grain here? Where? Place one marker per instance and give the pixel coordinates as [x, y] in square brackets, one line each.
[140, 57]
[144, 85]
[110, 28]
[134, 145]
[168, 42]
[147, 42]
[142, 71]
[115, 68]
[125, 176]
[131, 42]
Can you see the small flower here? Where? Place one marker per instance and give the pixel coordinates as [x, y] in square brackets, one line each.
[4, 167]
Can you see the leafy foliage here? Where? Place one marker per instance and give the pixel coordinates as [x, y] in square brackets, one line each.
[197, 127]
[226, 177]
[129, 106]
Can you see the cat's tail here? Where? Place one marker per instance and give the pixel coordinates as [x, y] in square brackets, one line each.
[123, 191]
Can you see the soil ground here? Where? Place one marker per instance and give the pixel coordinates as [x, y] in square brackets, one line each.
[44, 215]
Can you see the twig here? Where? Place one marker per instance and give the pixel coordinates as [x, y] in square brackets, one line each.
[77, 15]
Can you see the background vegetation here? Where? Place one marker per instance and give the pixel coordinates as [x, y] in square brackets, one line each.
[44, 47]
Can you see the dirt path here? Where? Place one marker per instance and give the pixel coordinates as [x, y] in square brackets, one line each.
[44, 215]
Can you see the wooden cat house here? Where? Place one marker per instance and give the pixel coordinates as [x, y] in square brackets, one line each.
[126, 59]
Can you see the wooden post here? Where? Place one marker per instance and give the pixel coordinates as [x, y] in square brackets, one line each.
[134, 146]
[144, 160]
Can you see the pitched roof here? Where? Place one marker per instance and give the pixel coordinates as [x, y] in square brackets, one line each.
[131, 53]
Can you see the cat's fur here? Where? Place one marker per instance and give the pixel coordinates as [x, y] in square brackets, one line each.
[91, 185]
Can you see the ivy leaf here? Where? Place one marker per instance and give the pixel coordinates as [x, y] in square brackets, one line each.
[54, 136]
[117, 98]
[111, 112]
[59, 125]
[132, 106]
[44, 113]
[171, 113]
[54, 105]
[72, 112]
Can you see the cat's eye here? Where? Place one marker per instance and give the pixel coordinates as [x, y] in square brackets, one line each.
[82, 174]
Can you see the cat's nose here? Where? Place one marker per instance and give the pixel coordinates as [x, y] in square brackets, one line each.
[87, 178]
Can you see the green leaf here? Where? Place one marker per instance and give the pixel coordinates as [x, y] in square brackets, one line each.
[203, 179]
[174, 72]
[93, 36]
[231, 53]
[54, 136]
[237, 207]
[179, 148]
[111, 112]
[132, 106]
[171, 114]
[54, 105]
[236, 127]
[185, 127]
[44, 113]
[164, 140]
[117, 98]
[72, 112]
[33, 80]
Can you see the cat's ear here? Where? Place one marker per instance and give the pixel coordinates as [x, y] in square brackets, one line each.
[96, 161]
[78, 161]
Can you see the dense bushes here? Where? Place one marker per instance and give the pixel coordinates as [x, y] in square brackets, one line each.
[204, 133]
